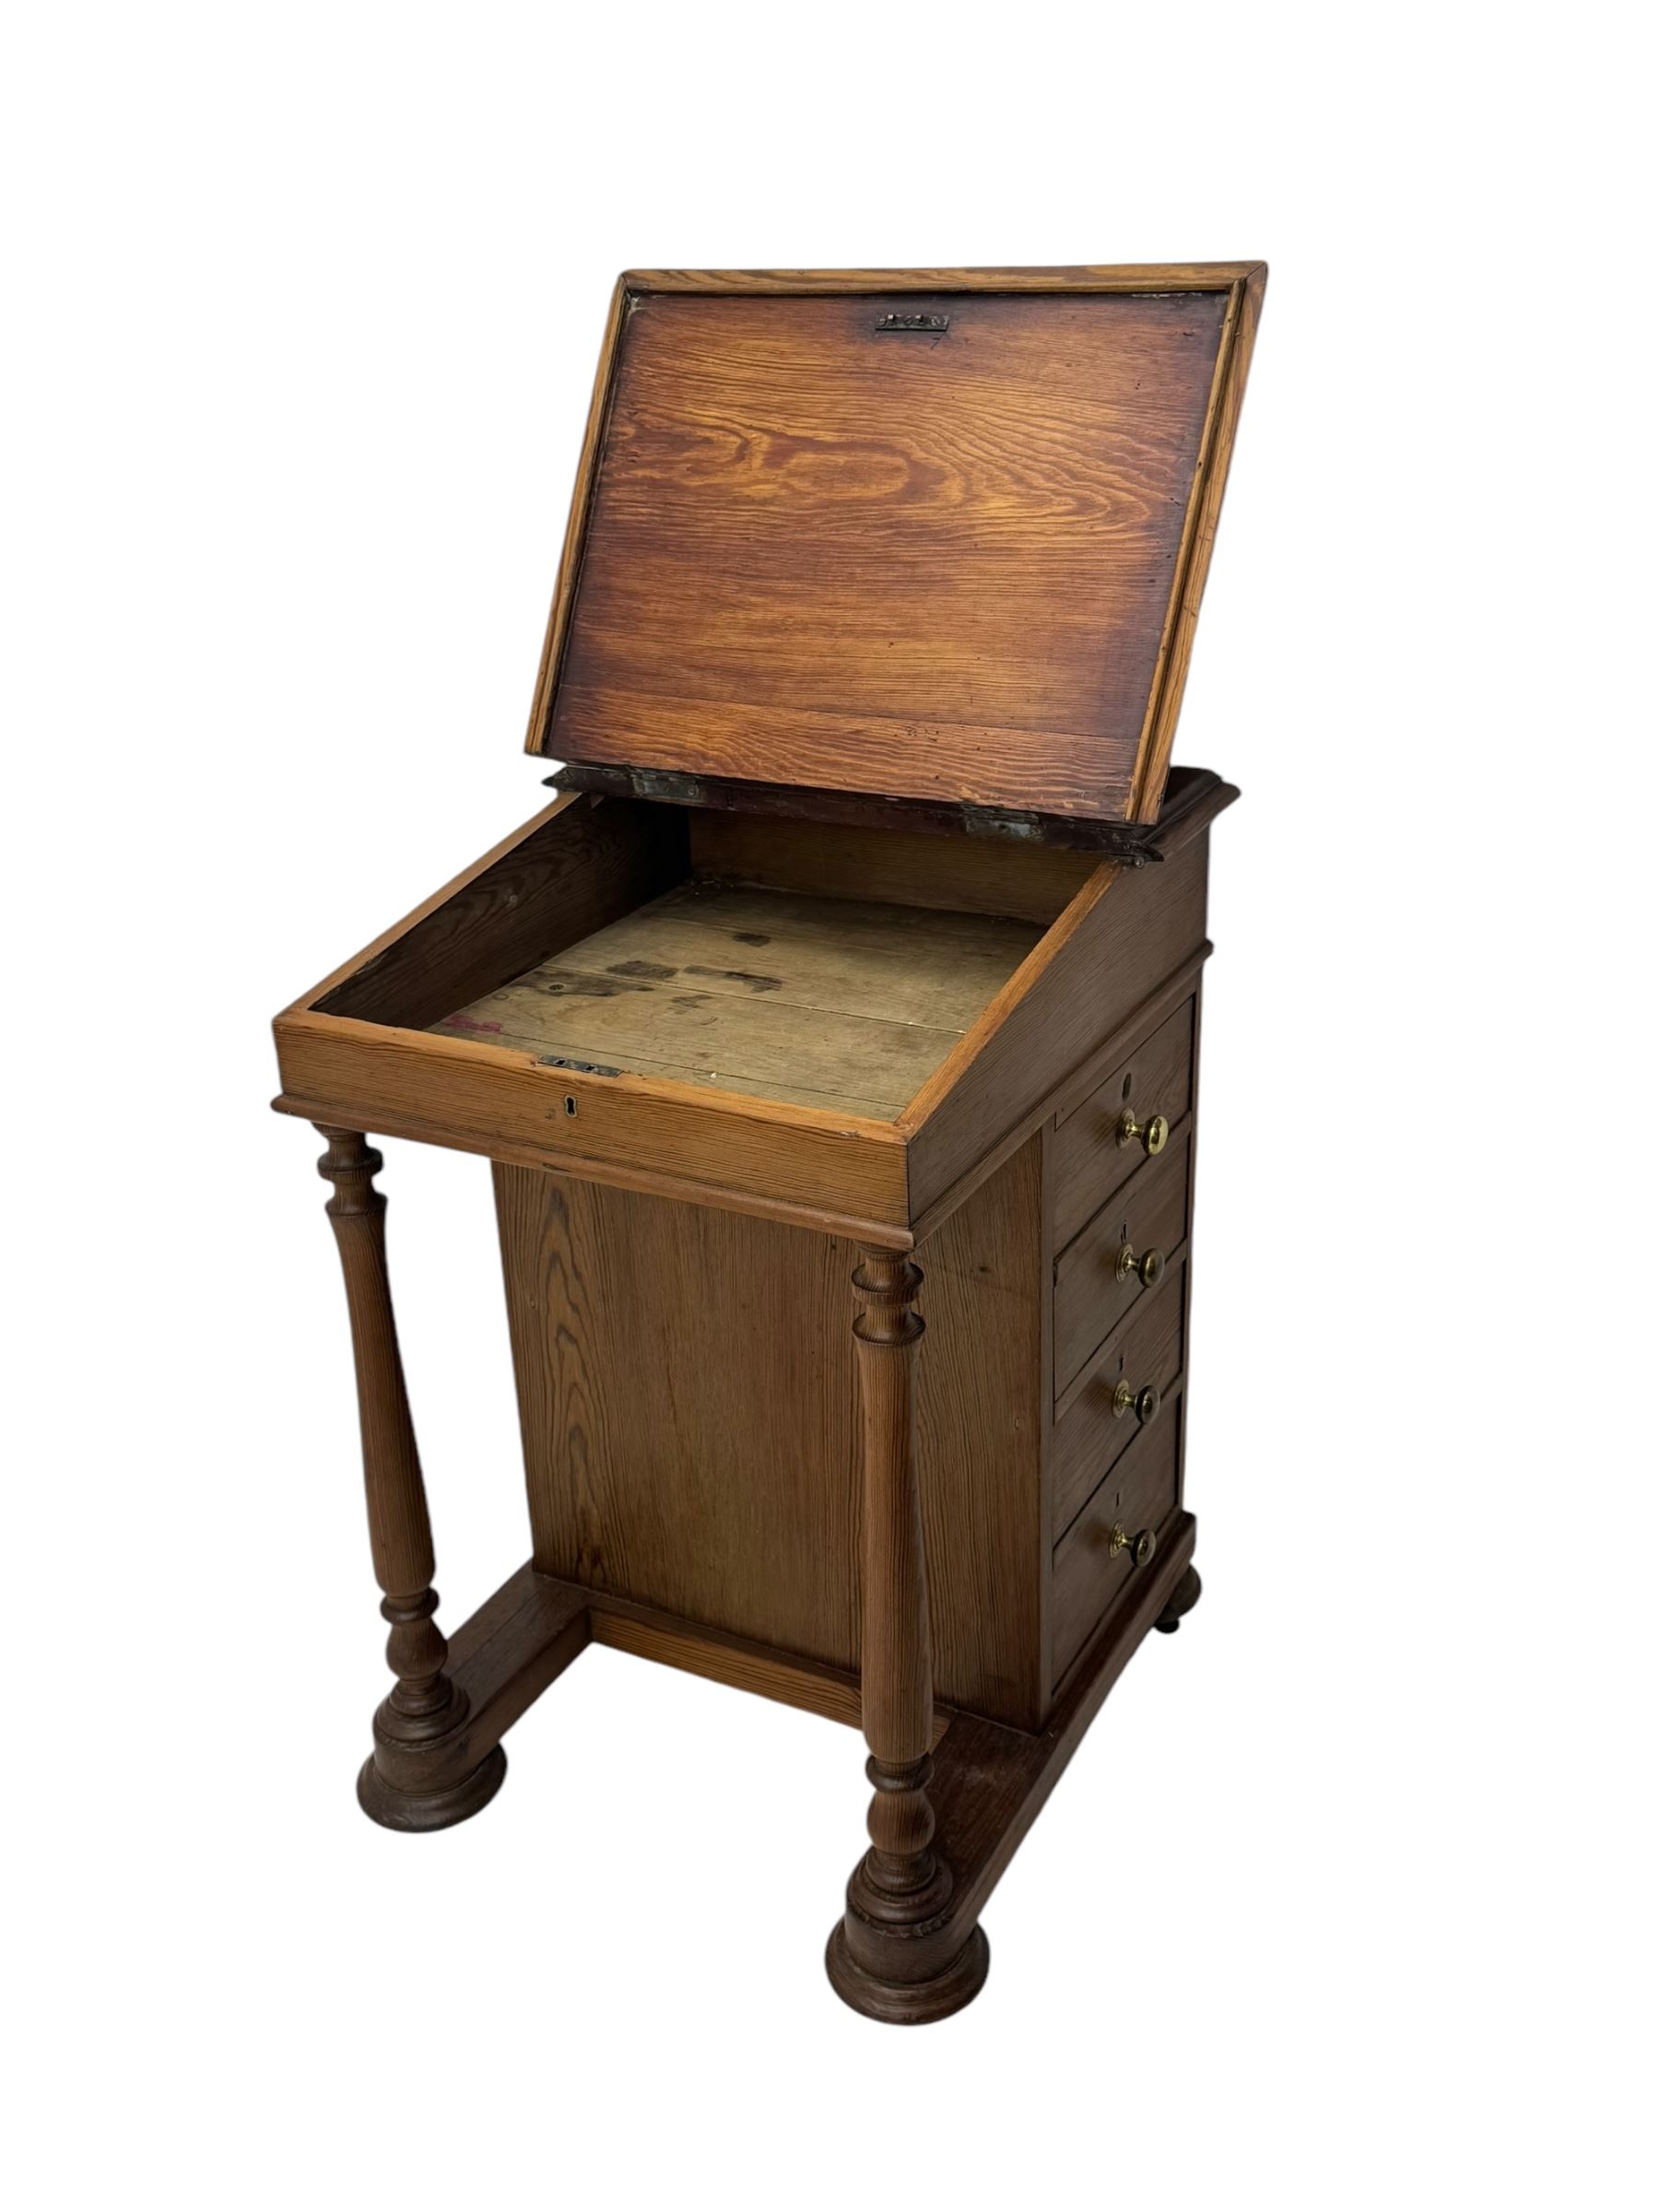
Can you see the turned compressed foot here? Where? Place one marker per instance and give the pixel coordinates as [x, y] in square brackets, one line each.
[907, 2004]
[416, 1812]
[1182, 1598]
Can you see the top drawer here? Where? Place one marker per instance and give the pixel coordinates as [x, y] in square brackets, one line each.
[1089, 1163]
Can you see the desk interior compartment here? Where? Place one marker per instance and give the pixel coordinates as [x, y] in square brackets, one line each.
[621, 938]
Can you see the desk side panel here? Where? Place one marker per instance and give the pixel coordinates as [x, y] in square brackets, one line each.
[1144, 924]
[688, 1397]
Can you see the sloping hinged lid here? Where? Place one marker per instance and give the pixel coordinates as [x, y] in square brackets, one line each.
[936, 535]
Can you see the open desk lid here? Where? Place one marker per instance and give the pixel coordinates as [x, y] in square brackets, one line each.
[933, 534]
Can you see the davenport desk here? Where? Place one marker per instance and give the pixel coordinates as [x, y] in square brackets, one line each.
[834, 1038]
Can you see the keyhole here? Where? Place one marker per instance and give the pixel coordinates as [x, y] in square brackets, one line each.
[570, 1106]
[1128, 1084]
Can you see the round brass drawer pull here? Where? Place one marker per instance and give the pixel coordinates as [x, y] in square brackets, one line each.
[1150, 1267]
[1140, 1549]
[1153, 1134]
[1142, 1404]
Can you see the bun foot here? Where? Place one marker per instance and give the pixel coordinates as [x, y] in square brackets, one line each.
[1182, 1598]
[415, 1813]
[907, 2004]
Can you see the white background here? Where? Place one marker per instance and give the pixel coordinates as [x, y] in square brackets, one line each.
[1346, 1901]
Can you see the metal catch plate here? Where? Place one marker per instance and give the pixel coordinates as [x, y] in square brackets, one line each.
[580, 1067]
[932, 325]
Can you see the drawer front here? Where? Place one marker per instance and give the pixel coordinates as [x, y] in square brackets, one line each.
[1090, 1577]
[1147, 1215]
[1088, 1161]
[1091, 1436]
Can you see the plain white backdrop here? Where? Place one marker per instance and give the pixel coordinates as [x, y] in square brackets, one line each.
[1346, 1899]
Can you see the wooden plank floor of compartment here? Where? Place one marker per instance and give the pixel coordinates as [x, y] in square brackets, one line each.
[836, 1003]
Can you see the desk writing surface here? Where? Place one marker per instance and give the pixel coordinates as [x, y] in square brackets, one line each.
[819, 1002]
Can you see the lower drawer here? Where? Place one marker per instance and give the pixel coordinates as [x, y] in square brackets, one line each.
[1146, 1354]
[1103, 1271]
[1092, 1568]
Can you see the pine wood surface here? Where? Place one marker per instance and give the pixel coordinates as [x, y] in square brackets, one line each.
[569, 872]
[961, 565]
[964, 874]
[1120, 938]
[800, 1163]
[689, 1407]
[817, 1002]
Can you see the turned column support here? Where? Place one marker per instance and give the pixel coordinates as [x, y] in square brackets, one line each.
[425, 1708]
[899, 1892]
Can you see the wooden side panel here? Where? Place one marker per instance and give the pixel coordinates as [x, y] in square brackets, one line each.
[961, 875]
[579, 868]
[1133, 929]
[980, 1443]
[823, 551]
[688, 1397]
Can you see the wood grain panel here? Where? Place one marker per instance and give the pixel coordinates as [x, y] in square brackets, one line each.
[689, 1408]
[1126, 930]
[727, 1150]
[1239, 344]
[837, 1002]
[938, 567]
[980, 1442]
[964, 874]
[688, 1398]
[574, 870]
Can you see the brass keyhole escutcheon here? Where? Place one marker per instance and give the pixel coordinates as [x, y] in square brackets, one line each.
[1140, 1549]
[1143, 1404]
[1152, 1134]
[1150, 1267]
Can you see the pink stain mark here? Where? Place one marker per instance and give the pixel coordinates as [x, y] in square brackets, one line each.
[465, 1021]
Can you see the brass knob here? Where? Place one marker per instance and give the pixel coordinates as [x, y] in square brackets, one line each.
[1142, 1404]
[1140, 1549]
[1150, 1267]
[1153, 1134]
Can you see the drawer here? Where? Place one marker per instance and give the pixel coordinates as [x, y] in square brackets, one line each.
[1088, 1161]
[1148, 1352]
[1091, 1575]
[1094, 1290]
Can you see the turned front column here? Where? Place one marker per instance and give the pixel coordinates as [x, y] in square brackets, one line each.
[883, 1955]
[424, 1709]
